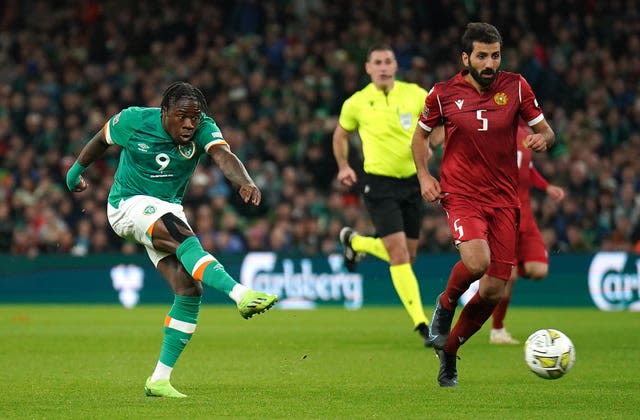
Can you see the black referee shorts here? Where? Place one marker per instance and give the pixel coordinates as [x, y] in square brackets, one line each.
[394, 205]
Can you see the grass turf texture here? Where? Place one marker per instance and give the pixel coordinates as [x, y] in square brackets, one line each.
[92, 361]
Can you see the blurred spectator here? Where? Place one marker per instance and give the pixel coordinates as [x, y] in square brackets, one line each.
[7, 225]
[275, 74]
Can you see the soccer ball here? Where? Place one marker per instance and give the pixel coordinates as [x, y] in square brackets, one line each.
[549, 353]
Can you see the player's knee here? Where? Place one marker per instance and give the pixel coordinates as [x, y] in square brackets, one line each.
[477, 266]
[494, 298]
[538, 274]
[536, 271]
[398, 255]
[493, 291]
[177, 228]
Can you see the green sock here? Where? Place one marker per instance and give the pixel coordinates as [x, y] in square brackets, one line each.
[369, 245]
[203, 266]
[179, 326]
[406, 284]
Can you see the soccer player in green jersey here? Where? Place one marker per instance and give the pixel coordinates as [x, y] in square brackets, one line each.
[160, 150]
[385, 114]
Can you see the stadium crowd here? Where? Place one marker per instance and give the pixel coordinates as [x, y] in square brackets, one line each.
[274, 74]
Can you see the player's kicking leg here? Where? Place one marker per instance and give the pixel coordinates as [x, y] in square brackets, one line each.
[254, 302]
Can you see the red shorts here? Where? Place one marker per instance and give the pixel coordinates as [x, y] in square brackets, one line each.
[496, 225]
[530, 243]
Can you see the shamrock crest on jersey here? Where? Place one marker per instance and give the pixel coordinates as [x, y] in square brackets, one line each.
[187, 150]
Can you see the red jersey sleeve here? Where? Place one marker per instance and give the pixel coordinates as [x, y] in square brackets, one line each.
[530, 111]
[431, 115]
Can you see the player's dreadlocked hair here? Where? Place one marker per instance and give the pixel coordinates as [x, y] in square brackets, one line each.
[183, 90]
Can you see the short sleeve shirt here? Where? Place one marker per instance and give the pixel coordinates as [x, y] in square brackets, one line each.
[385, 123]
[479, 158]
[151, 163]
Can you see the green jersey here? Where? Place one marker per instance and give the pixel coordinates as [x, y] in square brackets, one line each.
[151, 163]
[385, 123]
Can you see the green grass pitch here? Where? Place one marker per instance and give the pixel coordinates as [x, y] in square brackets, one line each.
[91, 362]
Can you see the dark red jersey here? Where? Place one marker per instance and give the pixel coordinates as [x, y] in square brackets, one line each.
[524, 179]
[528, 175]
[479, 158]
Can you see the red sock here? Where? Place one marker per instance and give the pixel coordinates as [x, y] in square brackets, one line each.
[500, 313]
[459, 281]
[473, 315]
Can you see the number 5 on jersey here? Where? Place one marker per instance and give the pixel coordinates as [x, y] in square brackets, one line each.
[458, 228]
[485, 121]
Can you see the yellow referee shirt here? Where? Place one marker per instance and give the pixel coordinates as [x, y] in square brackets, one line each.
[385, 124]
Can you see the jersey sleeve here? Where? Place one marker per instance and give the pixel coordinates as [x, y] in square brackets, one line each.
[119, 128]
[209, 134]
[537, 180]
[530, 110]
[431, 115]
[348, 115]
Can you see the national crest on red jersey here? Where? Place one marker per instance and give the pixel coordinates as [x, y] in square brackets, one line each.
[501, 98]
[479, 158]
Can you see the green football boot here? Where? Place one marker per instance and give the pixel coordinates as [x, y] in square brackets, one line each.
[161, 388]
[255, 303]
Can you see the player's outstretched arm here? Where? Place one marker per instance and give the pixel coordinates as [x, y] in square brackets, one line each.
[235, 172]
[93, 150]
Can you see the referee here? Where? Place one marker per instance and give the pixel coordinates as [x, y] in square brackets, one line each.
[385, 114]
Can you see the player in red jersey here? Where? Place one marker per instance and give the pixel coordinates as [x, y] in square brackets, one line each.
[480, 108]
[532, 257]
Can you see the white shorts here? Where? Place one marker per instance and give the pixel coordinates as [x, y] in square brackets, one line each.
[135, 215]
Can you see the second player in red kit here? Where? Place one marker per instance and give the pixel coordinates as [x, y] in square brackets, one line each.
[480, 108]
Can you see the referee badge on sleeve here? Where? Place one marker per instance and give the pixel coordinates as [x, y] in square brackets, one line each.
[405, 120]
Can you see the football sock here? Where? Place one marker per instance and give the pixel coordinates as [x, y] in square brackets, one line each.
[406, 285]
[179, 326]
[472, 317]
[369, 245]
[499, 313]
[459, 281]
[203, 266]
[161, 371]
[238, 292]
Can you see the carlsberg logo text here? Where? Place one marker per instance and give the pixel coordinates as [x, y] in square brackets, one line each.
[296, 280]
[614, 283]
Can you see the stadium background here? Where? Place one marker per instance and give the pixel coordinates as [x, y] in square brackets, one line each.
[275, 74]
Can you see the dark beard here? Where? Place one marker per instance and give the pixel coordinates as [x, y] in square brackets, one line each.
[484, 83]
